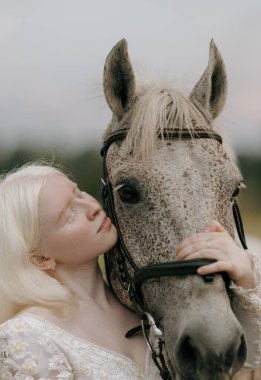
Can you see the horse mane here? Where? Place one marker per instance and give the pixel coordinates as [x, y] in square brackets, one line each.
[159, 107]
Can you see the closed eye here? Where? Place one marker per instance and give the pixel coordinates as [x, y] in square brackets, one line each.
[72, 209]
[72, 213]
[79, 194]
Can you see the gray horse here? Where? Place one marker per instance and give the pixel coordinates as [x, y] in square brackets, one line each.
[165, 190]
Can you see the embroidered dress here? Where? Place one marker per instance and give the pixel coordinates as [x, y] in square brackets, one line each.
[32, 348]
[246, 304]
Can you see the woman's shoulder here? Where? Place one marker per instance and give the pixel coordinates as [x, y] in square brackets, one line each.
[27, 349]
[25, 332]
[31, 319]
[18, 325]
[21, 333]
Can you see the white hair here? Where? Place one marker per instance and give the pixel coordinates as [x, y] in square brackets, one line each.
[22, 284]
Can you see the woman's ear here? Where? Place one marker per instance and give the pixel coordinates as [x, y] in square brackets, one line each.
[41, 261]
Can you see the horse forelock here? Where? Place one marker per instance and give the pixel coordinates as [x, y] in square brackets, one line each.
[159, 108]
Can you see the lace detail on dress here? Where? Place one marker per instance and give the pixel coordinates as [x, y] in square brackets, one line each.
[246, 304]
[249, 299]
[31, 348]
[27, 354]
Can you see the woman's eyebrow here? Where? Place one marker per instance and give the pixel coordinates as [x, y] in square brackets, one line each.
[67, 204]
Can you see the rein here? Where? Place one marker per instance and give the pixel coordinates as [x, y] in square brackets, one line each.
[132, 277]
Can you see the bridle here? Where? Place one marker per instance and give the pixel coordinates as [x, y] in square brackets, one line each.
[130, 276]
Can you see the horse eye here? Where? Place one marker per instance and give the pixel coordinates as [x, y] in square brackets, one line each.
[128, 194]
[236, 192]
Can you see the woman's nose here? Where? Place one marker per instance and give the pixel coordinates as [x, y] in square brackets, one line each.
[93, 208]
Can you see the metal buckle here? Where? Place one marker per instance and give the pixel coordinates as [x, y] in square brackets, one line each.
[154, 333]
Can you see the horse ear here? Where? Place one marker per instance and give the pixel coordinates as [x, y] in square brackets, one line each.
[118, 80]
[210, 91]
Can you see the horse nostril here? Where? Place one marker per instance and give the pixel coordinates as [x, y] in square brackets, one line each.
[197, 355]
[236, 356]
[241, 352]
[188, 356]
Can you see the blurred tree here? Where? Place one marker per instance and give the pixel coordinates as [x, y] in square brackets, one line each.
[86, 169]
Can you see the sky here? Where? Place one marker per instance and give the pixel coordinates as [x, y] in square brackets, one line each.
[52, 54]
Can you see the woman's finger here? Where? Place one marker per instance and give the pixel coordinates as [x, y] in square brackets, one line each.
[214, 226]
[196, 239]
[203, 247]
[218, 266]
[211, 254]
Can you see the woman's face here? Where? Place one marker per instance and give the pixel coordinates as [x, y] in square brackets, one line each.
[75, 229]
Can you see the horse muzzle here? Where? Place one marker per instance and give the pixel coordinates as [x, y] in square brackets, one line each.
[201, 355]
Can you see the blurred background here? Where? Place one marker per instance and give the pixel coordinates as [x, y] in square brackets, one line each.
[52, 54]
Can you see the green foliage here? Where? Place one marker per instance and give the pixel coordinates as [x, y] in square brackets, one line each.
[84, 168]
[251, 169]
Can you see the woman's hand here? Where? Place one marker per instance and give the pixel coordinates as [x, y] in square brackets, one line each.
[215, 243]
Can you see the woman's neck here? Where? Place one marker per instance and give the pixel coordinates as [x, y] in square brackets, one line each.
[86, 282]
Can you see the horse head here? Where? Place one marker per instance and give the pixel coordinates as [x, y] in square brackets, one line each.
[164, 190]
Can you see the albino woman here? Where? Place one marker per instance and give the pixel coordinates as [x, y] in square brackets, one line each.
[59, 318]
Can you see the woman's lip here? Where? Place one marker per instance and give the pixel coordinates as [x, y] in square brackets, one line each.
[106, 224]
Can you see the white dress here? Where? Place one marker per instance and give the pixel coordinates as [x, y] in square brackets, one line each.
[32, 348]
[246, 304]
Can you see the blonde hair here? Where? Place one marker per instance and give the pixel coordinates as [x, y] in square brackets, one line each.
[22, 284]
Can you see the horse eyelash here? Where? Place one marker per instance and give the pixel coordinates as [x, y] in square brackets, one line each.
[118, 187]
